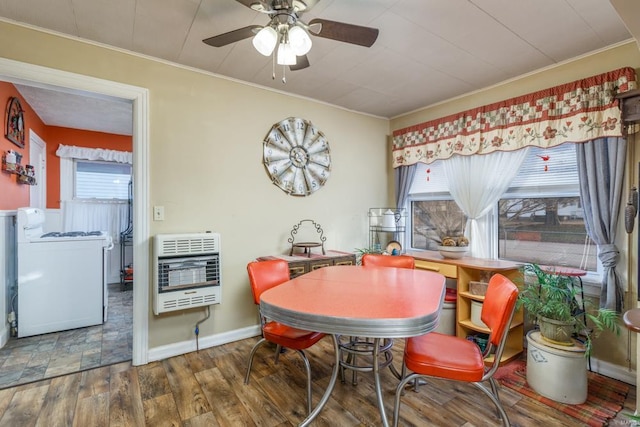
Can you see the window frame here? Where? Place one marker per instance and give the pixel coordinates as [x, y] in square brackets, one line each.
[592, 278]
[74, 184]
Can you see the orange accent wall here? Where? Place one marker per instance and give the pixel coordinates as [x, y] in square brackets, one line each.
[14, 195]
[79, 138]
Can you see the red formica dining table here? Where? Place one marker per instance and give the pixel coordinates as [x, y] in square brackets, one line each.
[373, 302]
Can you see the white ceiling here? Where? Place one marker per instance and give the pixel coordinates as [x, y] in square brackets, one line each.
[427, 51]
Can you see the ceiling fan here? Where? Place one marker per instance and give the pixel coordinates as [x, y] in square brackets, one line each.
[290, 34]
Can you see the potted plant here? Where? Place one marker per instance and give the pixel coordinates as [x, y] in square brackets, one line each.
[362, 251]
[549, 300]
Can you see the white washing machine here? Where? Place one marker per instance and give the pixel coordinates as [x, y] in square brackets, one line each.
[61, 276]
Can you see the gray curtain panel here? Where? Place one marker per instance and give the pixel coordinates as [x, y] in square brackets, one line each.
[601, 164]
[404, 177]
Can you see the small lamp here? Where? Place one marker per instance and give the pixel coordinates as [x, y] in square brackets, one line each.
[265, 41]
[300, 40]
[286, 56]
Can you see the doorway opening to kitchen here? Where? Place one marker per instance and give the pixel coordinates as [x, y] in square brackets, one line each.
[133, 309]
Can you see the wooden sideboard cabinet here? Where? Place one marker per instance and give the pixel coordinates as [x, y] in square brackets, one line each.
[302, 263]
[466, 270]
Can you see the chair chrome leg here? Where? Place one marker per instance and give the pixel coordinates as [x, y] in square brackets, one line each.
[253, 352]
[332, 382]
[496, 402]
[494, 390]
[308, 369]
[278, 351]
[400, 391]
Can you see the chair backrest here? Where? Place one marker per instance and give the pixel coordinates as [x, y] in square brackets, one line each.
[398, 261]
[499, 306]
[264, 275]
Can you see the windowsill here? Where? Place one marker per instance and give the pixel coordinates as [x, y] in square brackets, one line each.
[591, 285]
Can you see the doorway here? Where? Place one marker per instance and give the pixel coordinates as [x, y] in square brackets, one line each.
[38, 159]
[33, 75]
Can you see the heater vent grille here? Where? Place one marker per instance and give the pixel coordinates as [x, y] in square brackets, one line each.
[186, 271]
[189, 244]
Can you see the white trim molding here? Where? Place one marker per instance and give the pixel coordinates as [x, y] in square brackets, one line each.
[616, 372]
[49, 78]
[178, 348]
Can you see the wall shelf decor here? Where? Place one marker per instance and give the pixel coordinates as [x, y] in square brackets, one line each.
[315, 241]
[23, 175]
[14, 123]
[297, 156]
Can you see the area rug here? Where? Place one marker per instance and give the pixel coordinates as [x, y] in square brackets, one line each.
[605, 397]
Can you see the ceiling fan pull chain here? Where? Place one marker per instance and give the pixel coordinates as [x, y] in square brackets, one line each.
[273, 65]
[284, 74]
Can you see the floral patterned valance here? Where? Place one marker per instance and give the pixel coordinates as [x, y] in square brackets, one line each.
[576, 112]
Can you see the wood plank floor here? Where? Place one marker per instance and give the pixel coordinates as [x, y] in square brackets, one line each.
[206, 388]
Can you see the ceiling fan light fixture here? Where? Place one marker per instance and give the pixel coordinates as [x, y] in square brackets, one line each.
[265, 41]
[299, 40]
[286, 56]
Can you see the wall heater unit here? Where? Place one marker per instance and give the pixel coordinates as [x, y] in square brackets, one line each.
[186, 271]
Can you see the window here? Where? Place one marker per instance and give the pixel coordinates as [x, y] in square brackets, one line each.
[539, 218]
[433, 213]
[101, 180]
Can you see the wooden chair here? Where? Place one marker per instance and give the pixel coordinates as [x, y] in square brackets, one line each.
[449, 357]
[264, 275]
[356, 347]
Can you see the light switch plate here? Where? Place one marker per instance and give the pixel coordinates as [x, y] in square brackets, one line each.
[158, 213]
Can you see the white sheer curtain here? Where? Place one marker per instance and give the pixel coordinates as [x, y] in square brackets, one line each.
[89, 215]
[476, 184]
[80, 215]
[73, 152]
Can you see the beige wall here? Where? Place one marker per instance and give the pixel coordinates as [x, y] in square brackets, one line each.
[206, 166]
[608, 347]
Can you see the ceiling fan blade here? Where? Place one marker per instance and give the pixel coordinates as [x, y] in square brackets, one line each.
[348, 33]
[232, 36]
[302, 62]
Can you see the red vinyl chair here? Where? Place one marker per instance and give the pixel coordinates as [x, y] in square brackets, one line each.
[449, 357]
[357, 347]
[398, 261]
[264, 275]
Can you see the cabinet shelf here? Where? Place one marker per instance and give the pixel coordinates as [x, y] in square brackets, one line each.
[474, 297]
[508, 354]
[464, 271]
[467, 323]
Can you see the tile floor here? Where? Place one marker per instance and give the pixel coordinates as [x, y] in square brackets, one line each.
[45, 356]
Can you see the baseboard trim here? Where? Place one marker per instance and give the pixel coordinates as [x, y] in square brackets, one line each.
[616, 372]
[175, 349]
[607, 369]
